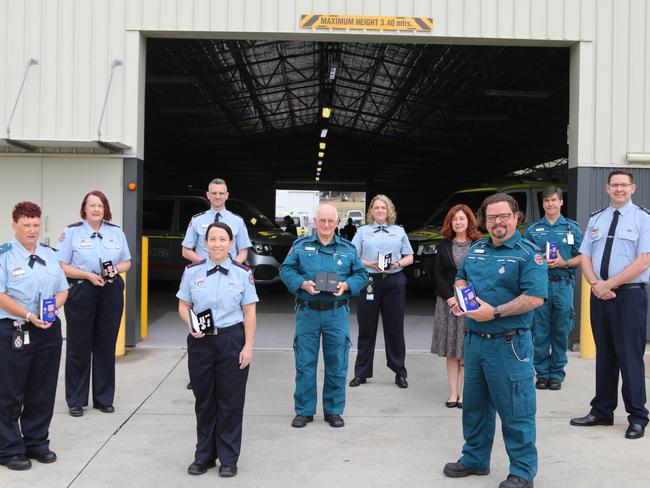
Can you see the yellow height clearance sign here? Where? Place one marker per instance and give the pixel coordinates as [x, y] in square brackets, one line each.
[359, 22]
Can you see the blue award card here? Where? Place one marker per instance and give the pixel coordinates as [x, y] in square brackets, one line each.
[48, 309]
[466, 298]
[551, 250]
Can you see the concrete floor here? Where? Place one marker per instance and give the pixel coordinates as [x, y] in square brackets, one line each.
[392, 437]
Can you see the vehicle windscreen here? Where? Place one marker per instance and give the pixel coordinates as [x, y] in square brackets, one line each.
[251, 215]
[472, 199]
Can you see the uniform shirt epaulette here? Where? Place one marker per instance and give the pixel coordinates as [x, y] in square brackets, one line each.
[191, 265]
[111, 224]
[49, 247]
[5, 247]
[347, 243]
[240, 265]
[571, 221]
[299, 239]
[480, 241]
[198, 214]
[76, 224]
[235, 214]
[598, 211]
[532, 244]
[644, 209]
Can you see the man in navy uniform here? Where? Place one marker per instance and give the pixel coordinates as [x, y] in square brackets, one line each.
[193, 245]
[553, 321]
[509, 277]
[322, 314]
[615, 262]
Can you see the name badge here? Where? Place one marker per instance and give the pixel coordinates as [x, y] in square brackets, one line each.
[479, 251]
[18, 272]
[570, 239]
[85, 243]
[310, 248]
[370, 297]
[539, 229]
[595, 234]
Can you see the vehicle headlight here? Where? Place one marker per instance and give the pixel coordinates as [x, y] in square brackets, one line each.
[262, 249]
[430, 249]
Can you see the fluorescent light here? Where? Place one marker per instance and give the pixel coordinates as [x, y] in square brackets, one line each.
[318, 170]
[323, 133]
[317, 178]
[516, 93]
[638, 157]
[320, 163]
[321, 145]
[321, 154]
[327, 111]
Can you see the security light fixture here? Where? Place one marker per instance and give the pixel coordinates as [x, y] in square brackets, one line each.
[321, 145]
[638, 157]
[321, 154]
[323, 133]
[327, 111]
[320, 163]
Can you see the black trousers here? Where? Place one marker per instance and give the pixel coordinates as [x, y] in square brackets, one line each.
[93, 315]
[619, 328]
[388, 298]
[219, 388]
[28, 380]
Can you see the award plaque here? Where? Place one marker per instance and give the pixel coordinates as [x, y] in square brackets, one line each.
[326, 282]
[551, 250]
[466, 298]
[384, 261]
[202, 321]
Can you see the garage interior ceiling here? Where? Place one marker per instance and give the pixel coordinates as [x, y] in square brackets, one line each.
[399, 111]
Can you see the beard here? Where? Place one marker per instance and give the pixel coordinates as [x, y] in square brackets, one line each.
[499, 231]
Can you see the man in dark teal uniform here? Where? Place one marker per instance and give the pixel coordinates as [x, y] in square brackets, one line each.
[322, 314]
[553, 321]
[509, 277]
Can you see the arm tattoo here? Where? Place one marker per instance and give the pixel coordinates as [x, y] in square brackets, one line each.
[521, 304]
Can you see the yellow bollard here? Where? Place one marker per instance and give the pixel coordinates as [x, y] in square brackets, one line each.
[120, 344]
[587, 344]
[144, 294]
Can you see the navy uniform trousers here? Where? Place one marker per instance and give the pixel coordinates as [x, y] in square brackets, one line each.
[28, 380]
[619, 328]
[389, 299]
[219, 387]
[93, 315]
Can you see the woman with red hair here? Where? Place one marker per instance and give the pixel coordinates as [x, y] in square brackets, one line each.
[30, 340]
[93, 253]
[459, 230]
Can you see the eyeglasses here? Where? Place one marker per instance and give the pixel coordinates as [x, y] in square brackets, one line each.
[326, 222]
[620, 185]
[502, 217]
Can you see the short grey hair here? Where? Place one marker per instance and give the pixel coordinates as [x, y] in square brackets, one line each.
[218, 181]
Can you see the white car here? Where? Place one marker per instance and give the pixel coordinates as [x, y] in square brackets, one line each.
[356, 216]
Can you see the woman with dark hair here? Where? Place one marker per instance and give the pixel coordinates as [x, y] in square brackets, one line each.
[459, 230]
[93, 252]
[30, 340]
[216, 301]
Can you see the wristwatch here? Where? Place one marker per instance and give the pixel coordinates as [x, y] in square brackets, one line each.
[497, 314]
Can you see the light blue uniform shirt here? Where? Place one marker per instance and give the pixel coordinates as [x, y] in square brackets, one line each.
[631, 238]
[223, 294]
[561, 232]
[370, 241]
[198, 226]
[79, 249]
[502, 273]
[24, 284]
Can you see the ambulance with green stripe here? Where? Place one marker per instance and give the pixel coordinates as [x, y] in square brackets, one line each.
[426, 238]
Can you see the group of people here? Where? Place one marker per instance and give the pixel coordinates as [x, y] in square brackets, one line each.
[84, 274]
[518, 329]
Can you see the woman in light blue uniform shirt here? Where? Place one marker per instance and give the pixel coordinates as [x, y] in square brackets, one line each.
[30, 348]
[384, 292]
[93, 252]
[218, 362]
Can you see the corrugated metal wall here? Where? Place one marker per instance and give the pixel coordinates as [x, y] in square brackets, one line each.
[75, 42]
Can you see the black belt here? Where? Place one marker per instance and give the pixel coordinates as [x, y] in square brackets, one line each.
[506, 335]
[568, 279]
[321, 305]
[631, 286]
[226, 330]
[381, 275]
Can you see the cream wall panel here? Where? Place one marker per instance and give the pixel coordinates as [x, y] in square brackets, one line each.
[21, 180]
[619, 69]
[603, 75]
[638, 75]
[202, 13]
[489, 14]
[66, 182]
[506, 10]
[440, 7]
[539, 19]
[572, 17]
[555, 19]
[521, 19]
[472, 27]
